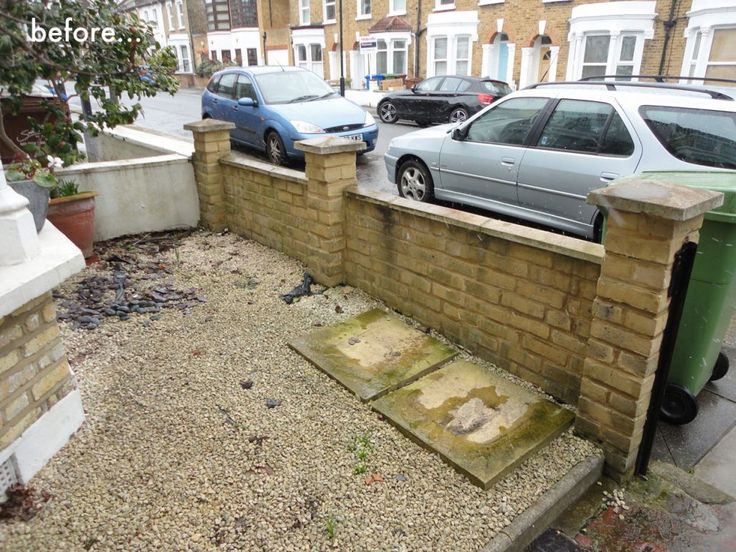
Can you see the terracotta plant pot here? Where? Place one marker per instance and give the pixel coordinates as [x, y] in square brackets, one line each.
[74, 216]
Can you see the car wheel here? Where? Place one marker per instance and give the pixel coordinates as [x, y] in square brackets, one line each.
[458, 115]
[275, 150]
[387, 112]
[415, 182]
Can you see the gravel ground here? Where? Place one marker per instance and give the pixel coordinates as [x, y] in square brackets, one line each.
[179, 452]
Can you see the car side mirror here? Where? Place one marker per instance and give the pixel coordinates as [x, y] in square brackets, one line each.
[247, 102]
[459, 133]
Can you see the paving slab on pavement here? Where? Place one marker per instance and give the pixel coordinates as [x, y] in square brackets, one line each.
[373, 353]
[481, 423]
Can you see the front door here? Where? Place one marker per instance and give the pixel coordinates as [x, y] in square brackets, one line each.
[483, 166]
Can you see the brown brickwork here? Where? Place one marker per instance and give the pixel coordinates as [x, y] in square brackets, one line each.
[34, 372]
[521, 23]
[211, 143]
[630, 313]
[519, 297]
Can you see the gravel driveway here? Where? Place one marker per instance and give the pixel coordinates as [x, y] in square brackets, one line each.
[180, 450]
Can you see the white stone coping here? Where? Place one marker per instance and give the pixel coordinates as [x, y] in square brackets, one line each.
[235, 159]
[104, 166]
[517, 233]
[58, 259]
[159, 141]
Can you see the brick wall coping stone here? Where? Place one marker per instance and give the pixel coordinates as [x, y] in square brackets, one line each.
[533, 237]
[151, 138]
[208, 125]
[58, 259]
[658, 198]
[240, 160]
[329, 144]
[102, 166]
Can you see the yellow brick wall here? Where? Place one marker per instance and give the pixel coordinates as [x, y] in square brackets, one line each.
[525, 308]
[34, 372]
[521, 23]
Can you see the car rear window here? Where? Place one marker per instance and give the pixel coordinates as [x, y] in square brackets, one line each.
[496, 88]
[700, 136]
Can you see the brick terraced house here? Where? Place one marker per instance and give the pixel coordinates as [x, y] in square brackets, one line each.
[518, 41]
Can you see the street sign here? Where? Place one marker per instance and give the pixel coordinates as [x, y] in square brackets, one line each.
[368, 45]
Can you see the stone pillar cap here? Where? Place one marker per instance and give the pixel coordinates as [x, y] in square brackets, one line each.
[208, 125]
[329, 144]
[657, 198]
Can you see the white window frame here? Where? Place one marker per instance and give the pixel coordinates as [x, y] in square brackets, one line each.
[180, 13]
[446, 59]
[393, 10]
[325, 3]
[704, 18]
[468, 60]
[305, 7]
[616, 20]
[439, 6]
[170, 13]
[184, 56]
[361, 15]
[390, 39]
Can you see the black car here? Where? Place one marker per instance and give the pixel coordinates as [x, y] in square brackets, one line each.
[441, 99]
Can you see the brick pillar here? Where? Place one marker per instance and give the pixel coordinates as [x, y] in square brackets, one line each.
[648, 222]
[211, 142]
[330, 168]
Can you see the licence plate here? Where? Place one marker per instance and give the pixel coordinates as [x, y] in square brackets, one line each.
[356, 137]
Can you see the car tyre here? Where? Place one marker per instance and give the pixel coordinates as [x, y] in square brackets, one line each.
[275, 149]
[415, 182]
[459, 115]
[387, 112]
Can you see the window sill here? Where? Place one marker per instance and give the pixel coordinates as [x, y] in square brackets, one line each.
[493, 2]
[329, 21]
[554, 1]
[364, 17]
[396, 13]
[444, 8]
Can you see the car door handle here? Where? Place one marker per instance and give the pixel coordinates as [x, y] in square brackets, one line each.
[508, 161]
[607, 176]
[235, 107]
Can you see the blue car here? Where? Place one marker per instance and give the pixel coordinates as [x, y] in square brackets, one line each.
[273, 107]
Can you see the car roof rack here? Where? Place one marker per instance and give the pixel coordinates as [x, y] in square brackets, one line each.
[661, 78]
[611, 85]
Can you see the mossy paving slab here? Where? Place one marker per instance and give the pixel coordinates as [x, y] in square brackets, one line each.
[479, 422]
[373, 353]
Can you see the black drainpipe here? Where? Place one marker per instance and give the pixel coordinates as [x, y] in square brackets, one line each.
[669, 26]
[681, 271]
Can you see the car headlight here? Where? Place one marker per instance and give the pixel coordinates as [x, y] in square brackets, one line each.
[369, 120]
[306, 128]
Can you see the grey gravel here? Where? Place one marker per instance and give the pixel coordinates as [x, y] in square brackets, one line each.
[175, 456]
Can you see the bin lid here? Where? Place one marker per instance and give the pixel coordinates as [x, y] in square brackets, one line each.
[717, 181]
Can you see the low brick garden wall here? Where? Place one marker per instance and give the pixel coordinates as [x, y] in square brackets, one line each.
[583, 321]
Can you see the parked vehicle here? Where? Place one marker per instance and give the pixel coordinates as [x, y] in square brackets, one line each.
[537, 153]
[441, 99]
[273, 107]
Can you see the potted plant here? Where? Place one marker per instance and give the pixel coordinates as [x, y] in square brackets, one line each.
[73, 213]
[33, 181]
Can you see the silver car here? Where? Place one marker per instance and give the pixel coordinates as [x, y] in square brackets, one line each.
[537, 153]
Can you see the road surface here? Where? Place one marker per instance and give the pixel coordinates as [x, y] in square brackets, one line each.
[167, 113]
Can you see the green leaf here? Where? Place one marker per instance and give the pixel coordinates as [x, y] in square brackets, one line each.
[14, 175]
[45, 179]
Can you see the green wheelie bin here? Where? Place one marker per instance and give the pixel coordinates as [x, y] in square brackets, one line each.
[710, 302]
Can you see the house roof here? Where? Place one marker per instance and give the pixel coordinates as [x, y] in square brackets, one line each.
[391, 24]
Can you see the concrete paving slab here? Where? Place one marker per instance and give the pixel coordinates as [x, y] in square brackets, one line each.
[373, 353]
[479, 422]
[687, 444]
[716, 467]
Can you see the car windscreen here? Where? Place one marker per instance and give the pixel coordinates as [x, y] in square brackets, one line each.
[496, 88]
[699, 136]
[292, 86]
